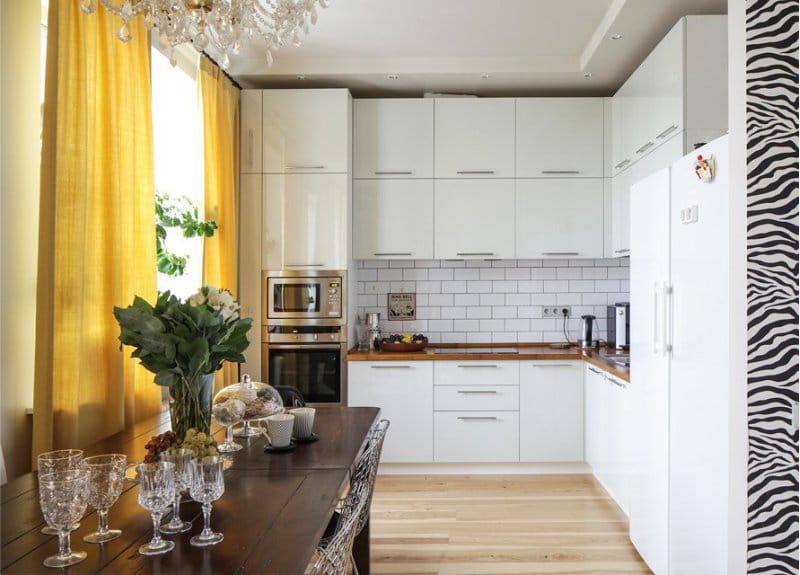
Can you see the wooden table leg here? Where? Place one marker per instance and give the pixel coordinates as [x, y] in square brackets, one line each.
[361, 550]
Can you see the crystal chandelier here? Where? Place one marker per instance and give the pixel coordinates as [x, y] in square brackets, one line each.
[217, 27]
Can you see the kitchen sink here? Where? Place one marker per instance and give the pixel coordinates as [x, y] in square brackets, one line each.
[620, 359]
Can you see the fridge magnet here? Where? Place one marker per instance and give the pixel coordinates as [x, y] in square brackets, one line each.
[704, 168]
[402, 306]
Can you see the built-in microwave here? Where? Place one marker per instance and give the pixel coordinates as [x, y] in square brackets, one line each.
[310, 297]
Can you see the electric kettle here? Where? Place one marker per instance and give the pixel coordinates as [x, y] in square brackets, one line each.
[586, 340]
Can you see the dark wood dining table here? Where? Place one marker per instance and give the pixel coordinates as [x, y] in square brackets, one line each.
[273, 512]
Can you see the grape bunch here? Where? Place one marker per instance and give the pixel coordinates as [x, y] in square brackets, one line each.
[158, 444]
[202, 445]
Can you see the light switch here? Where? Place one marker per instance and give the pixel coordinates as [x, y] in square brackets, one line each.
[689, 215]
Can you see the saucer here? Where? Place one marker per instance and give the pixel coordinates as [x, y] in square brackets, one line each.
[270, 449]
[310, 439]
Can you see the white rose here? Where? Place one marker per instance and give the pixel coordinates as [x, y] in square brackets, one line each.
[197, 299]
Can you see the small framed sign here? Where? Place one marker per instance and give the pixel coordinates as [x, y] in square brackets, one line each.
[401, 306]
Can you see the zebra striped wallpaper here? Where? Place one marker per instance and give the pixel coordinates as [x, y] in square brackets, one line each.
[772, 283]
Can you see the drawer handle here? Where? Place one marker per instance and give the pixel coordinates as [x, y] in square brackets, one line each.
[305, 167]
[566, 172]
[390, 367]
[490, 366]
[646, 147]
[477, 392]
[250, 148]
[561, 253]
[625, 251]
[617, 383]
[668, 131]
[622, 164]
[304, 265]
[392, 253]
[597, 371]
[396, 173]
[477, 418]
[474, 253]
[554, 365]
[474, 172]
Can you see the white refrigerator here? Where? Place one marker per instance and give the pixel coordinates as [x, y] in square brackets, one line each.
[679, 366]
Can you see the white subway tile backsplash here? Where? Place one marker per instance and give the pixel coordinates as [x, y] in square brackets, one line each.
[483, 301]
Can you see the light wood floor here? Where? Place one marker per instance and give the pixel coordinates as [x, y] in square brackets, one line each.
[427, 525]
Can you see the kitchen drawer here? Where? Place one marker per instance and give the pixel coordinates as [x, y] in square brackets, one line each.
[475, 372]
[476, 398]
[467, 436]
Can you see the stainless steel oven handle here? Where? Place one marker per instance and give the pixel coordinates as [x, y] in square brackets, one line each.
[311, 346]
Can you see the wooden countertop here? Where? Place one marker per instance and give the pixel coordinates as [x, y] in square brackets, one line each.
[600, 357]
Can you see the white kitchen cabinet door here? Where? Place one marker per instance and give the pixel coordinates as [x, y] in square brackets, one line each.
[393, 219]
[476, 398]
[477, 372]
[249, 293]
[476, 436]
[474, 219]
[559, 138]
[620, 212]
[404, 392]
[474, 138]
[619, 470]
[393, 138]
[594, 423]
[305, 221]
[559, 218]
[306, 131]
[250, 139]
[551, 411]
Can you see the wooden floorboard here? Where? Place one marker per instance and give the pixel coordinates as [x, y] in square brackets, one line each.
[476, 525]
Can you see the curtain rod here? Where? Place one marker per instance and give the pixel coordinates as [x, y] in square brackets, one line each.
[228, 76]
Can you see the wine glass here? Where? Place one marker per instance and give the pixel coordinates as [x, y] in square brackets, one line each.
[156, 490]
[62, 496]
[59, 460]
[208, 484]
[180, 458]
[106, 479]
[228, 413]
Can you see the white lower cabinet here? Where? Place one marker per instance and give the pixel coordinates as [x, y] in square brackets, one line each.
[476, 436]
[404, 393]
[551, 411]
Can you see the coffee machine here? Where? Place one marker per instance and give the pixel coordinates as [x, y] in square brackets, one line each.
[619, 325]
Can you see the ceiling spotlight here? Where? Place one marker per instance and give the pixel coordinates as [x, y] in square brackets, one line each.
[485, 76]
[392, 76]
[616, 36]
[588, 75]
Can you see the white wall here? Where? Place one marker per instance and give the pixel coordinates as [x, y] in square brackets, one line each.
[19, 216]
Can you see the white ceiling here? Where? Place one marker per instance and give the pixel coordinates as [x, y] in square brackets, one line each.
[524, 46]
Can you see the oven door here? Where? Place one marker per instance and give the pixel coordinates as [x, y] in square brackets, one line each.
[316, 370]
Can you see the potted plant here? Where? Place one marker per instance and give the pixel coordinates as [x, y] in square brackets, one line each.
[184, 343]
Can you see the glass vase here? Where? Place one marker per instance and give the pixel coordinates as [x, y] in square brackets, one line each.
[190, 404]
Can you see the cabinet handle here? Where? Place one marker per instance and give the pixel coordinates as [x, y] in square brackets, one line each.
[561, 253]
[646, 147]
[305, 167]
[392, 253]
[616, 382]
[560, 171]
[474, 172]
[304, 265]
[474, 253]
[397, 173]
[476, 392]
[625, 251]
[667, 132]
[390, 367]
[622, 164]
[477, 418]
[553, 365]
[250, 148]
[485, 365]
[597, 371]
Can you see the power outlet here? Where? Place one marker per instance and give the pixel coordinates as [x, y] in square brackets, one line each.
[557, 311]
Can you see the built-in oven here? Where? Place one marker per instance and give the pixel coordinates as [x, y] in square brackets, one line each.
[310, 359]
[307, 297]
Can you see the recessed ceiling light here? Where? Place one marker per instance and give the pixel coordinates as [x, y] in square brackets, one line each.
[588, 75]
[301, 77]
[616, 36]
[485, 76]
[392, 76]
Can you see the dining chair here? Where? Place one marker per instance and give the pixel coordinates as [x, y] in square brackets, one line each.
[291, 396]
[334, 558]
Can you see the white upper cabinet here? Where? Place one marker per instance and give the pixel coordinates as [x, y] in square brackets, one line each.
[559, 138]
[474, 138]
[474, 219]
[393, 138]
[306, 131]
[559, 218]
[305, 221]
[393, 219]
[250, 133]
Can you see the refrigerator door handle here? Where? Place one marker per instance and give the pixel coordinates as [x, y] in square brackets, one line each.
[668, 318]
[655, 318]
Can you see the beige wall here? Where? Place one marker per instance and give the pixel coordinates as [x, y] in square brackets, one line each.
[19, 212]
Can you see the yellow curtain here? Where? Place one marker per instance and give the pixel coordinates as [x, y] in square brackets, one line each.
[219, 99]
[96, 237]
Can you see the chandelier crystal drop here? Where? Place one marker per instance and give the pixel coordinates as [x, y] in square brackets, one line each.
[217, 27]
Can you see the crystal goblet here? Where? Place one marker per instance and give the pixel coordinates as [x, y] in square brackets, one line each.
[228, 412]
[181, 459]
[208, 484]
[156, 490]
[62, 497]
[106, 479]
[59, 460]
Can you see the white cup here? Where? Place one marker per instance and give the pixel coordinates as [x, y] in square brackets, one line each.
[279, 427]
[303, 421]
